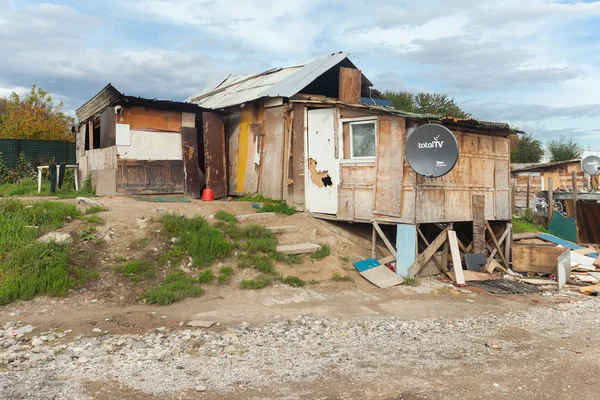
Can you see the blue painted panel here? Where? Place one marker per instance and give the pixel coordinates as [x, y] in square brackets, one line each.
[562, 242]
[364, 265]
[406, 248]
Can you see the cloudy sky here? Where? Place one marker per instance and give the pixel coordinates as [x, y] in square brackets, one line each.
[532, 63]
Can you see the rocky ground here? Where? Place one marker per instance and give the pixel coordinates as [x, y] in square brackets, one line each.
[544, 352]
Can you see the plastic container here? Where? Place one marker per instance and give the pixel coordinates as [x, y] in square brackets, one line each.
[208, 195]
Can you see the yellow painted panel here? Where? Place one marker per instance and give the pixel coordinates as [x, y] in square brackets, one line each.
[245, 121]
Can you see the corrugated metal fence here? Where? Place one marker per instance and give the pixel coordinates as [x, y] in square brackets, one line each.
[38, 152]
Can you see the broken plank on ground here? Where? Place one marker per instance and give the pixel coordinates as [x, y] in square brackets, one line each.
[298, 248]
[382, 277]
[246, 217]
[284, 228]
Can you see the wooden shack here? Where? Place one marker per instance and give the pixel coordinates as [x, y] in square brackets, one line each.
[316, 136]
[132, 145]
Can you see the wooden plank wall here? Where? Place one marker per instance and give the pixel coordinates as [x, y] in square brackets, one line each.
[102, 158]
[271, 163]
[560, 180]
[139, 118]
[214, 150]
[149, 177]
[190, 162]
[232, 139]
[349, 88]
[297, 163]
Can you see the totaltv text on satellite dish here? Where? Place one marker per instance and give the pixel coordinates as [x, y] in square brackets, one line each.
[591, 165]
[431, 150]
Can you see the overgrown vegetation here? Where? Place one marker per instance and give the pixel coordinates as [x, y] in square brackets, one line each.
[269, 205]
[175, 287]
[426, 103]
[526, 150]
[564, 148]
[225, 217]
[202, 241]
[293, 281]
[337, 277]
[524, 224]
[96, 209]
[225, 274]
[27, 267]
[259, 282]
[323, 252]
[137, 270]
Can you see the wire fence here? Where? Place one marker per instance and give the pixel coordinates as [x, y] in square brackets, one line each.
[37, 152]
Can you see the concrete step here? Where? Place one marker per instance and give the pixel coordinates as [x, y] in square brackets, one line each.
[299, 248]
[252, 217]
[283, 229]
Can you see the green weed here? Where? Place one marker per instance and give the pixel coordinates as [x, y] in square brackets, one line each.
[96, 209]
[175, 287]
[256, 283]
[269, 205]
[414, 281]
[293, 281]
[260, 262]
[88, 234]
[226, 217]
[521, 225]
[137, 270]
[322, 253]
[206, 276]
[203, 242]
[93, 219]
[288, 258]
[337, 277]
[225, 274]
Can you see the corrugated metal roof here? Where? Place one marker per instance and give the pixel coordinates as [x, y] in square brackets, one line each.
[282, 82]
[97, 103]
[545, 165]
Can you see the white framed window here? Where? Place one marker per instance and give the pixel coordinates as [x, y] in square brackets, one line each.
[363, 140]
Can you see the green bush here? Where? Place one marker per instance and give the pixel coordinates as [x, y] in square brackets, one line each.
[322, 253]
[293, 281]
[175, 287]
[225, 274]
[256, 283]
[206, 276]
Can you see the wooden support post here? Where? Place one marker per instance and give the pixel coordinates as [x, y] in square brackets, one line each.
[373, 242]
[478, 210]
[434, 258]
[385, 239]
[493, 251]
[507, 242]
[496, 244]
[574, 183]
[528, 192]
[427, 254]
[512, 197]
[550, 199]
[458, 270]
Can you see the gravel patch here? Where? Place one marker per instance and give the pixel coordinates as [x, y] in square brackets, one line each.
[303, 349]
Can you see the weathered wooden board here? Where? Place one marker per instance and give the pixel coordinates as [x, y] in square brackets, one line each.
[535, 258]
[478, 207]
[242, 154]
[382, 277]
[232, 136]
[298, 156]
[456, 262]
[362, 174]
[363, 203]
[141, 118]
[214, 153]
[189, 138]
[429, 252]
[349, 87]
[346, 203]
[254, 154]
[389, 165]
[271, 165]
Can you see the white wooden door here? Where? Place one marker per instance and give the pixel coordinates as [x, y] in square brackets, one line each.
[323, 167]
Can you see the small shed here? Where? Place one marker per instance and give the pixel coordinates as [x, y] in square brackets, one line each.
[134, 145]
[317, 135]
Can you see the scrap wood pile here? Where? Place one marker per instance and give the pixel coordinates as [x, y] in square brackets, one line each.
[544, 259]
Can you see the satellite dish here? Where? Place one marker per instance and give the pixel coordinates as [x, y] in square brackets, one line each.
[431, 150]
[591, 165]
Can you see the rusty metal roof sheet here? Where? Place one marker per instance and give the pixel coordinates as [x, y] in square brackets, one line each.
[278, 82]
[97, 103]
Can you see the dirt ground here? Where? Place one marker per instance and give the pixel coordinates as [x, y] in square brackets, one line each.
[554, 364]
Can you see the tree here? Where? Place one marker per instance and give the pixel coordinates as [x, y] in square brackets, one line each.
[35, 117]
[426, 103]
[526, 150]
[564, 149]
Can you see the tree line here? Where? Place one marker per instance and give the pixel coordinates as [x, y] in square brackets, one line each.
[34, 116]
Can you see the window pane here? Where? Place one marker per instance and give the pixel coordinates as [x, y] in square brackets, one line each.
[363, 140]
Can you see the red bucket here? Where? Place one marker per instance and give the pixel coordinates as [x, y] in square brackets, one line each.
[208, 195]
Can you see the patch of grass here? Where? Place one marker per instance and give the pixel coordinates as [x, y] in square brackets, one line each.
[96, 209]
[339, 278]
[322, 253]
[314, 282]
[25, 187]
[83, 276]
[293, 281]
[206, 276]
[257, 283]
[93, 219]
[203, 242]
[137, 270]
[345, 259]
[521, 225]
[175, 287]
[88, 234]
[224, 216]
[260, 262]
[140, 243]
[225, 274]
[173, 256]
[288, 258]
[414, 281]
[269, 205]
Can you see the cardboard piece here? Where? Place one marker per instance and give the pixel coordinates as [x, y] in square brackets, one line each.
[382, 277]
[491, 267]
